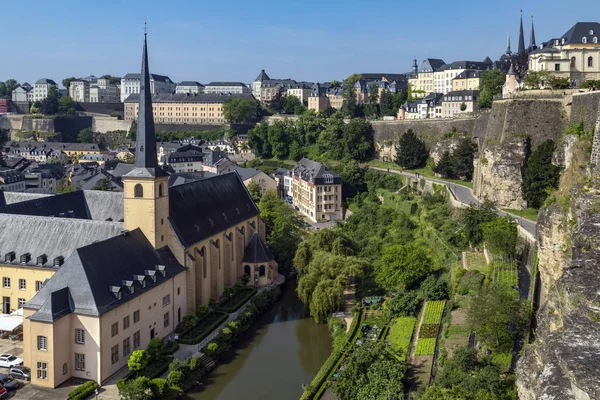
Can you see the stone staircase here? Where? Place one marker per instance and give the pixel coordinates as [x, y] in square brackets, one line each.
[208, 362]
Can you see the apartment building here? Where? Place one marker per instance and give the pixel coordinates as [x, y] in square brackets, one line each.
[159, 84]
[317, 191]
[41, 89]
[423, 81]
[467, 80]
[189, 87]
[226, 88]
[459, 102]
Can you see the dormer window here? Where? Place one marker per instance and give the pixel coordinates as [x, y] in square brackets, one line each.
[58, 261]
[25, 258]
[151, 274]
[595, 40]
[10, 256]
[41, 260]
[116, 291]
[591, 31]
[584, 40]
[162, 269]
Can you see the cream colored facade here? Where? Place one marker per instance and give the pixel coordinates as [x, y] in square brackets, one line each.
[468, 83]
[336, 100]
[317, 202]
[318, 103]
[422, 84]
[181, 112]
[20, 284]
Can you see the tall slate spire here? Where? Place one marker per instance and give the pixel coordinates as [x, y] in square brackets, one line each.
[532, 45]
[145, 147]
[508, 51]
[521, 37]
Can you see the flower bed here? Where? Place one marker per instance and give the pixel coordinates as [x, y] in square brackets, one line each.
[154, 369]
[237, 301]
[203, 328]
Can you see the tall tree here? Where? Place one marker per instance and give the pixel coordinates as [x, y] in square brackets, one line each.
[386, 102]
[403, 266]
[358, 140]
[67, 105]
[540, 175]
[490, 84]
[50, 104]
[258, 140]
[463, 156]
[240, 110]
[279, 140]
[411, 151]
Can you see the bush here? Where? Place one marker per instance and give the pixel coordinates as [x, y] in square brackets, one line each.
[434, 289]
[170, 347]
[175, 378]
[470, 282]
[203, 328]
[179, 365]
[154, 348]
[195, 363]
[501, 235]
[83, 391]
[158, 386]
[404, 304]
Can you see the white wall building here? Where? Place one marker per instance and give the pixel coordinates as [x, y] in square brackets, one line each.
[190, 87]
[130, 84]
[23, 93]
[41, 88]
[226, 87]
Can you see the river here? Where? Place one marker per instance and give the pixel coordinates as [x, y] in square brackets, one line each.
[282, 350]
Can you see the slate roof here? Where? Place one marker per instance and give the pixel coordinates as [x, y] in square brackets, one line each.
[45, 81]
[256, 251]
[477, 65]
[462, 94]
[17, 197]
[309, 170]
[54, 237]
[190, 98]
[200, 209]
[155, 77]
[190, 83]
[180, 178]
[468, 74]
[431, 64]
[262, 76]
[88, 204]
[91, 273]
[226, 84]
[390, 77]
[580, 30]
[244, 173]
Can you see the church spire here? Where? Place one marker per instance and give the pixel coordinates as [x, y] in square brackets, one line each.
[521, 37]
[145, 148]
[508, 51]
[532, 45]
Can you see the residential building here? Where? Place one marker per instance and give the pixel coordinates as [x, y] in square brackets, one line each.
[466, 80]
[159, 84]
[317, 99]
[227, 87]
[11, 180]
[317, 191]
[248, 175]
[336, 97]
[574, 55]
[186, 161]
[361, 91]
[42, 87]
[430, 106]
[423, 82]
[43, 151]
[285, 182]
[123, 283]
[300, 90]
[459, 102]
[23, 93]
[190, 87]
[79, 90]
[201, 108]
[103, 91]
[446, 73]
[256, 85]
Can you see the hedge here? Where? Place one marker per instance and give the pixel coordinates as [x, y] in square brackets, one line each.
[317, 386]
[206, 332]
[170, 348]
[228, 308]
[83, 391]
[154, 369]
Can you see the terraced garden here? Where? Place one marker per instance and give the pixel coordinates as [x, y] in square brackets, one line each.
[401, 333]
[430, 326]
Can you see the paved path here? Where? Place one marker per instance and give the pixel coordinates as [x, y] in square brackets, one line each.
[465, 195]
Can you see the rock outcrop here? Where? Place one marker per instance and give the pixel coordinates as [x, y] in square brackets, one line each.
[448, 144]
[499, 176]
[563, 361]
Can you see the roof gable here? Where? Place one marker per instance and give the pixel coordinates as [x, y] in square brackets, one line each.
[256, 251]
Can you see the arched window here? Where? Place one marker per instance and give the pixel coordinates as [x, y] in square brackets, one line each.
[584, 40]
[203, 254]
[138, 191]
[595, 40]
[572, 62]
[590, 61]
[160, 190]
[261, 270]
[247, 270]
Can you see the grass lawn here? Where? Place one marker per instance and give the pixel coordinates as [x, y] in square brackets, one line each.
[427, 172]
[476, 261]
[401, 333]
[528, 213]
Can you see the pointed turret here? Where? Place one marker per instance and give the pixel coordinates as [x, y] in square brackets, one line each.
[262, 76]
[532, 45]
[415, 67]
[511, 70]
[145, 146]
[521, 37]
[508, 51]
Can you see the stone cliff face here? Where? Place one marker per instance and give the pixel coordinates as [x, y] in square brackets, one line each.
[563, 361]
[446, 144]
[498, 176]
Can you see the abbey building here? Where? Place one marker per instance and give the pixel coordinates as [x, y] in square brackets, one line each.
[105, 272]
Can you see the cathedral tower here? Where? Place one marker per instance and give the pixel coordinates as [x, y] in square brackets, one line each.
[146, 192]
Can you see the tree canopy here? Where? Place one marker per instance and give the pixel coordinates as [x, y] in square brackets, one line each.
[541, 175]
[411, 151]
[7, 87]
[490, 84]
[240, 110]
[403, 266]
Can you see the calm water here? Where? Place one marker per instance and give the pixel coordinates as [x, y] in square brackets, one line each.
[284, 349]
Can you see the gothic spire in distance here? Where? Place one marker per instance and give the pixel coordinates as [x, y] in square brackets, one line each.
[521, 37]
[508, 51]
[532, 45]
[145, 146]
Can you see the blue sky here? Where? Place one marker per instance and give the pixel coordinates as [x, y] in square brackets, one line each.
[234, 39]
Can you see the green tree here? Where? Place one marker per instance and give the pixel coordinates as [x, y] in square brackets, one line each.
[175, 378]
[240, 110]
[496, 314]
[67, 105]
[357, 138]
[372, 106]
[330, 139]
[463, 159]
[434, 288]
[50, 105]
[104, 184]
[353, 179]
[292, 105]
[404, 304]
[386, 102]
[403, 266]
[85, 136]
[445, 167]
[279, 139]
[490, 84]
[349, 106]
[471, 219]
[154, 348]
[399, 99]
[536, 79]
[500, 235]
[411, 151]
[138, 360]
[115, 80]
[190, 321]
[255, 191]
[7, 87]
[371, 373]
[258, 140]
[463, 106]
[296, 151]
[136, 389]
[540, 175]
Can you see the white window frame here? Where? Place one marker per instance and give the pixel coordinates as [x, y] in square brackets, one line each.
[42, 343]
[42, 370]
[6, 282]
[22, 284]
[79, 336]
[79, 362]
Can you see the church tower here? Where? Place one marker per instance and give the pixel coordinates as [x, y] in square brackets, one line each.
[521, 49]
[146, 192]
[532, 45]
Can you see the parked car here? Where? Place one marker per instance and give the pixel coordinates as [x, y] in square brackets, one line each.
[9, 382]
[20, 372]
[3, 392]
[8, 360]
